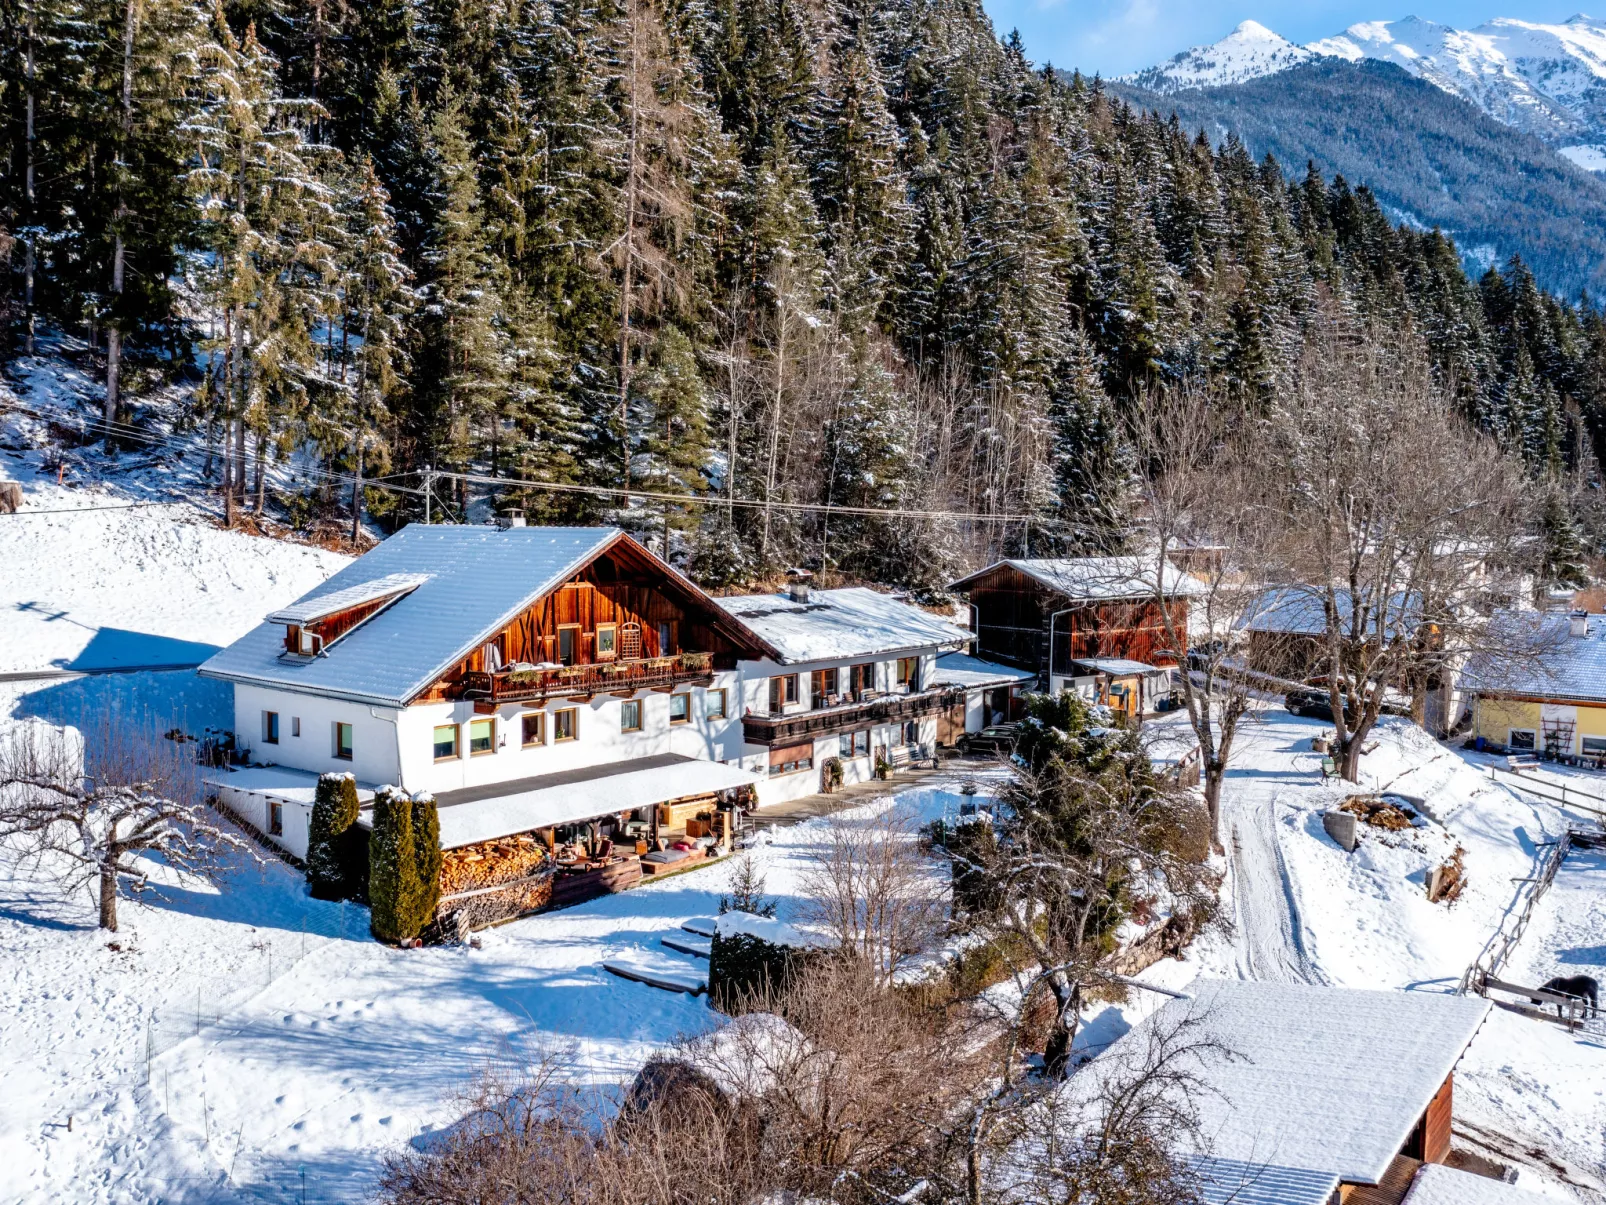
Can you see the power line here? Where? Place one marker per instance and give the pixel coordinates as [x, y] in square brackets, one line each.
[827, 508]
[428, 476]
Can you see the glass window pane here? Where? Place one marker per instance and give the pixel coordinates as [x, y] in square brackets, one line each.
[679, 708]
[714, 705]
[481, 735]
[630, 716]
[1594, 744]
[532, 729]
[563, 725]
[445, 741]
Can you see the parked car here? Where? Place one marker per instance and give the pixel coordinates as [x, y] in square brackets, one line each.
[995, 738]
[1318, 705]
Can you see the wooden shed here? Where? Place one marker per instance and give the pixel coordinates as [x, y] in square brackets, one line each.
[1085, 608]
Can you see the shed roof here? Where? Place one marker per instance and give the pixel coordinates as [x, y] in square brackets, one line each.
[1436, 1184]
[1315, 1085]
[1537, 656]
[1096, 578]
[836, 625]
[1116, 666]
[315, 607]
[470, 583]
[1301, 611]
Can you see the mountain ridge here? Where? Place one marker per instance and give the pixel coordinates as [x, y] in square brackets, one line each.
[1431, 158]
[1544, 79]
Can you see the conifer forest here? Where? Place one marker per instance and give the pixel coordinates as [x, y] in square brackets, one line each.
[700, 267]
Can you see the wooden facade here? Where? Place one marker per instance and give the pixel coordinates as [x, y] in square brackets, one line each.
[622, 611]
[1011, 612]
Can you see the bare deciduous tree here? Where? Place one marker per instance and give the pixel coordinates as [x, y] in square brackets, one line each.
[1393, 511]
[97, 810]
[1197, 489]
[874, 889]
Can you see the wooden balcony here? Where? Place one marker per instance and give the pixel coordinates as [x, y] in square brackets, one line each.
[602, 677]
[888, 709]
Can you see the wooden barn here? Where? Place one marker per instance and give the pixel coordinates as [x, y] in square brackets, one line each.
[1312, 1095]
[1082, 611]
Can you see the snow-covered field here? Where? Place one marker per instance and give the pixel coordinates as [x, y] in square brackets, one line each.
[357, 1049]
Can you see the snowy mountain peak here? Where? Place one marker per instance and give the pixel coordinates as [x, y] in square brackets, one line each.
[1248, 52]
[1546, 80]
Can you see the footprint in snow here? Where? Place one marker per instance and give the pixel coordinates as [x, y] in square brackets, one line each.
[355, 1118]
[384, 1121]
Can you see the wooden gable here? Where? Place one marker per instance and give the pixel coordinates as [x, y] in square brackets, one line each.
[651, 611]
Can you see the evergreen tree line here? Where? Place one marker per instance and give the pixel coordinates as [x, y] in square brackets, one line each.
[756, 253]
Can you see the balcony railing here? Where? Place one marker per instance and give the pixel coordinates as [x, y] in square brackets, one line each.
[888, 709]
[602, 677]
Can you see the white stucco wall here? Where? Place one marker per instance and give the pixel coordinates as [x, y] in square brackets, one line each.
[253, 807]
[373, 736]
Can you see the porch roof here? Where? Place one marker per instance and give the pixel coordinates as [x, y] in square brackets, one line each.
[473, 814]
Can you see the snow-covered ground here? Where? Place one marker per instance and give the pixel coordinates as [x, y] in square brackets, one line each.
[1303, 908]
[333, 1050]
[357, 1049]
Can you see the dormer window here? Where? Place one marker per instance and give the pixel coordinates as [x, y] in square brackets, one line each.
[313, 624]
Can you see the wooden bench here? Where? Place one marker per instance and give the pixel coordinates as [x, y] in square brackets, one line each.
[1521, 761]
[908, 755]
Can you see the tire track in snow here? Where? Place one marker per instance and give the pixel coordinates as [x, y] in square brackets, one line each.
[1271, 938]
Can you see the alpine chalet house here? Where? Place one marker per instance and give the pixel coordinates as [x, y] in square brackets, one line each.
[856, 676]
[1087, 624]
[1547, 692]
[559, 688]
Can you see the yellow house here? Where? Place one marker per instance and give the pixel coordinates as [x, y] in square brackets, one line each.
[1551, 697]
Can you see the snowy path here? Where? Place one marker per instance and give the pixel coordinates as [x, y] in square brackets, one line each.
[1271, 940]
[1271, 937]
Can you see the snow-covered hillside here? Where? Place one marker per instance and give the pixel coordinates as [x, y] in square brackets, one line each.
[1544, 79]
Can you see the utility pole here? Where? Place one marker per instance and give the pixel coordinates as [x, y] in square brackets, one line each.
[114, 330]
[429, 489]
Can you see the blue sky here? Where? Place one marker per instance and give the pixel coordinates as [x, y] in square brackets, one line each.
[1114, 36]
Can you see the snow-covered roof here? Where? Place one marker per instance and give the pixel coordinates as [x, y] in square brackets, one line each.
[1097, 578]
[310, 609]
[1315, 1085]
[1301, 611]
[475, 814]
[961, 669]
[1116, 666]
[1436, 1184]
[837, 625]
[471, 583]
[276, 782]
[1541, 658]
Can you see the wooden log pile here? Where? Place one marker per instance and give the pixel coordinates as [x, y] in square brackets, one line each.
[491, 862]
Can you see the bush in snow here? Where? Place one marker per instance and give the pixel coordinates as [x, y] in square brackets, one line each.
[332, 871]
[426, 859]
[754, 959]
[392, 868]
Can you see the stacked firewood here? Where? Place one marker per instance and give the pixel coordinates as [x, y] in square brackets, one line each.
[491, 862]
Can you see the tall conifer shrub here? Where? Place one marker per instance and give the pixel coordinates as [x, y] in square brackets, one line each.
[392, 867]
